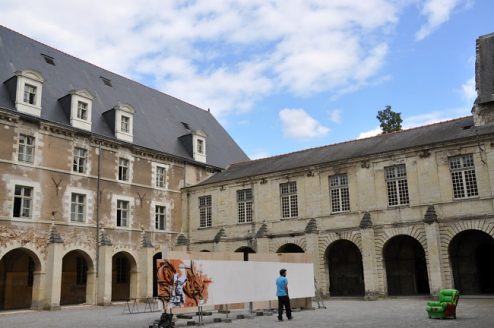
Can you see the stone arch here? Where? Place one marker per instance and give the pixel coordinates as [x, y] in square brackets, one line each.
[290, 248]
[383, 236]
[124, 276]
[405, 265]
[20, 279]
[280, 242]
[246, 250]
[448, 231]
[78, 277]
[471, 255]
[345, 270]
[38, 253]
[324, 242]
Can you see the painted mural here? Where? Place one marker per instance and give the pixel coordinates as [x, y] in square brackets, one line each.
[182, 283]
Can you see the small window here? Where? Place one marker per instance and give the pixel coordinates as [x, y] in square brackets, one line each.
[80, 160]
[244, 203]
[78, 208]
[200, 146]
[122, 213]
[23, 199]
[30, 94]
[106, 81]
[205, 217]
[463, 176]
[160, 218]
[186, 125]
[26, 149]
[289, 205]
[48, 59]
[397, 185]
[125, 124]
[160, 177]
[338, 190]
[123, 169]
[82, 109]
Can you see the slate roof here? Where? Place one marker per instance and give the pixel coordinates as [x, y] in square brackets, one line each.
[425, 136]
[157, 118]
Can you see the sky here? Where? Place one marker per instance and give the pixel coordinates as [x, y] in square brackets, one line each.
[280, 76]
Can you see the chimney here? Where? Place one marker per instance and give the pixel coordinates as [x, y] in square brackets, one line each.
[483, 108]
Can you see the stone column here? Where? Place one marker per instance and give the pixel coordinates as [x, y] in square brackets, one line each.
[105, 270]
[39, 290]
[369, 261]
[436, 278]
[145, 267]
[219, 245]
[262, 241]
[312, 247]
[53, 281]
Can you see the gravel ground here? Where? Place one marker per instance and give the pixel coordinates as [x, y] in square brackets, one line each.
[391, 312]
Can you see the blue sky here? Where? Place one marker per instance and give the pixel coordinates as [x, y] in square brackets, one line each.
[285, 75]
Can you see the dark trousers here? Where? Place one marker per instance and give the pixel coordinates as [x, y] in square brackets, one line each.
[284, 301]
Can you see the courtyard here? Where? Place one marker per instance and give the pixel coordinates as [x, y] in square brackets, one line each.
[390, 312]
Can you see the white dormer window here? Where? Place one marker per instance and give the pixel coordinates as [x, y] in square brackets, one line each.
[29, 88]
[81, 106]
[199, 146]
[124, 122]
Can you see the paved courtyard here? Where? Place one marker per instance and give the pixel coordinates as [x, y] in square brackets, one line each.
[399, 312]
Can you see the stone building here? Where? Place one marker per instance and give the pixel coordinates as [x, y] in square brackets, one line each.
[91, 167]
[403, 213]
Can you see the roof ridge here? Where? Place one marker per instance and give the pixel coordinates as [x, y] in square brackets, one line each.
[102, 68]
[382, 135]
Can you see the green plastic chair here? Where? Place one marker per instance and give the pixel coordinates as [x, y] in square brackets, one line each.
[446, 306]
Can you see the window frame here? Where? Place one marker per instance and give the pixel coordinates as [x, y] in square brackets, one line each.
[245, 202]
[82, 112]
[205, 211]
[339, 193]
[288, 200]
[397, 182]
[123, 169]
[76, 205]
[122, 213]
[465, 165]
[26, 149]
[20, 201]
[80, 162]
[160, 218]
[30, 94]
[160, 181]
[124, 123]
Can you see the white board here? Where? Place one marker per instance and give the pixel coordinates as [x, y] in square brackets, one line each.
[208, 282]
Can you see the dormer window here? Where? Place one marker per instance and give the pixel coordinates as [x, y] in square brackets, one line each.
[82, 110]
[195, 144]
[29, 94]
[78, 105]
[26, 88]
[121, 119]
[200, 146]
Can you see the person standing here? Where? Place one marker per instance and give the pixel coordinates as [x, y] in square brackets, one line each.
[283, 298]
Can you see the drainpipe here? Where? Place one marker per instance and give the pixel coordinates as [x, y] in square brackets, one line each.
[97, 208]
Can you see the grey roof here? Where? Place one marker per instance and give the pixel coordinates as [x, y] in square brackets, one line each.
[425, 137]
[157, 118]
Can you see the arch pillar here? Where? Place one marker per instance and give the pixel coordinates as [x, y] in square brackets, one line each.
[312, 249]
[54, 256]
[432, 233]
[39, 291]
[145, 267]
[91, 287]
[104, 270]
[369, 260]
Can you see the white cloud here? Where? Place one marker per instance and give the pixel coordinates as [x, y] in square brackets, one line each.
[370, 133]
[335, 115]
[259, 154]
[225, 55]
[468, 90]
[297, 124]
[436, 12]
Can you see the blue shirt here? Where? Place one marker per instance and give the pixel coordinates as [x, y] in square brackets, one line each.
[281, 283]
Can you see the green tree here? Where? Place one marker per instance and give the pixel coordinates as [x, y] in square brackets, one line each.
[390, 121]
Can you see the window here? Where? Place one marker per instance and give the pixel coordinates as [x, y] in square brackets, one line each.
[26, 148]
[338, 190]
[125, 124]
[78, 207]
[82, 110]
[30, 94]
[200, 146]
[160, 218]
[205, 219]
[244, 201]
[80, 160]
[122, 270]
[396, 180]
[123, 169]
[463, 175]
[23, 199]
[48, 59]
[122, 213]
[81, 271]
[160, 177]
[289, 207]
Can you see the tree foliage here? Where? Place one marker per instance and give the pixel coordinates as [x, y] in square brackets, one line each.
[390, 121]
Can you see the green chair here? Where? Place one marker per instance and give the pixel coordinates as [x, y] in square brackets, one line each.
[446, 306]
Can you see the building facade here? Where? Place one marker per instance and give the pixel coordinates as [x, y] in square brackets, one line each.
[91, 167]
[403, 213]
